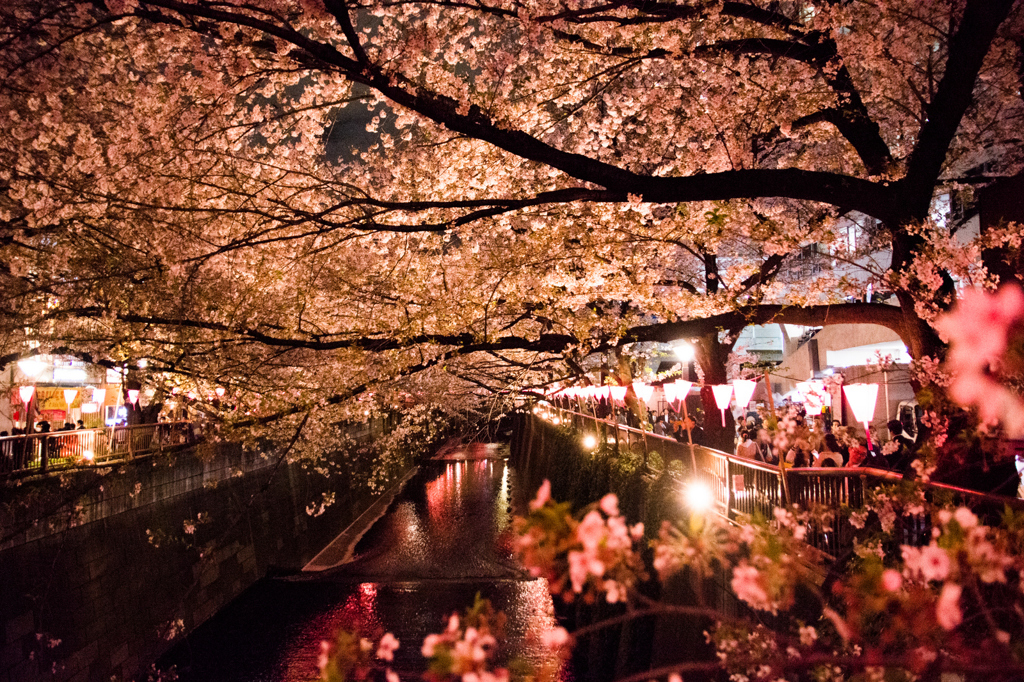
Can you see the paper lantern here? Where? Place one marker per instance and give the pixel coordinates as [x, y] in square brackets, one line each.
[618, 393]
[862, 399]
[643, 391]
[26, 393]
[99, 395]
[723, 394]
[69, 396]
[744, 390]
[31, 367]
[677, 390]
[133, 396]
[683, 388]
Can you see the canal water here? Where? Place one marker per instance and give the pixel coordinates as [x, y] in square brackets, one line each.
[444, 538]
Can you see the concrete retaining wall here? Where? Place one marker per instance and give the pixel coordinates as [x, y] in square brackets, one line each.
[99, 588]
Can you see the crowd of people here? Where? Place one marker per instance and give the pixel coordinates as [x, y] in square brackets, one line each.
[827, 444]
[836, 447]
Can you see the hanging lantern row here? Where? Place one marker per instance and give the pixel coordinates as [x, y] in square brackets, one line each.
[862, 397]
[674, 392]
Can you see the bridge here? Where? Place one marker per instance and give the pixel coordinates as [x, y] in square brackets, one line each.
[741, 486]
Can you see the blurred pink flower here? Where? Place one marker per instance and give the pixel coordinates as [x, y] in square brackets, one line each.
[947, 609]
[543, 495]
[892, 581]
[386, 647]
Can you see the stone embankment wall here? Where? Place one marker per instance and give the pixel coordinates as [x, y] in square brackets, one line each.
[540, 450]
[99, 587]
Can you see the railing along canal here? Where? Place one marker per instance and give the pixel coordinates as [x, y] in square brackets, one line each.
[61, 450]
[742, 486]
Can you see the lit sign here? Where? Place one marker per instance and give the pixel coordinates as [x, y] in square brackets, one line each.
[69, 375]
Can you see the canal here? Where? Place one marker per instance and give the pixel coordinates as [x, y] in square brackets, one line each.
[444, 538]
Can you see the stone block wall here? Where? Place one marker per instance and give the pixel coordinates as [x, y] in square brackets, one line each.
[100, 588]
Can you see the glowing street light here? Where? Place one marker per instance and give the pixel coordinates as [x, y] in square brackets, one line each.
[684, 350]
[698, 497]
[723, 395]
[862, 399]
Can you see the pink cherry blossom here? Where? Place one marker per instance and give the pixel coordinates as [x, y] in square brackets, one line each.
[543, 496]
[947, 609]
[555, 637]
[386, 647]
[892, 581]
[610, 504]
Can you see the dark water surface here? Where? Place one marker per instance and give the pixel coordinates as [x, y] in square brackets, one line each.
[444, 538]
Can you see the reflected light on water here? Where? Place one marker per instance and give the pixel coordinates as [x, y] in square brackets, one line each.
[444, 539]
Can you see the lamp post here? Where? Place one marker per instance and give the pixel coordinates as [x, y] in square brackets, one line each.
[862, 399]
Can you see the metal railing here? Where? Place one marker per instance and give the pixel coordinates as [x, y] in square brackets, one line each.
[60, 450]
[745, 486]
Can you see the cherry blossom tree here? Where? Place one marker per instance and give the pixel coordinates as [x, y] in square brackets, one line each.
[540, 182]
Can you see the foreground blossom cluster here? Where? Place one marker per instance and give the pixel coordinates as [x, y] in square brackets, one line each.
[981, 330]
[594, 555]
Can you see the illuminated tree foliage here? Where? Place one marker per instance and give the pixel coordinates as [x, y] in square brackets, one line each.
[536, 181]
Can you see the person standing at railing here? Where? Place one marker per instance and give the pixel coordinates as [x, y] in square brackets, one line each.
[746, 447]
[763, 448]
[831, 452]
[6, 453]
[858, 452]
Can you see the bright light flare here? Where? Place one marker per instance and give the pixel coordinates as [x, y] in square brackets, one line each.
[31, 367]
[589, 441]
[684, 350]
[698, 497]
[88, 455]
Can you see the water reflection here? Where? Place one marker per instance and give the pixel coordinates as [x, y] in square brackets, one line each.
[444, 539]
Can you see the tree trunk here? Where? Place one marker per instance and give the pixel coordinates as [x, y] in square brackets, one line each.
[712, 355]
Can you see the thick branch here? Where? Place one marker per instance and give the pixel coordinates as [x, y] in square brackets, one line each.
[828, 188]
[967, 51]
[823, 315]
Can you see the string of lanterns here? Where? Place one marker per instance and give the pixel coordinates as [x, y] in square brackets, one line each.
[861, 397]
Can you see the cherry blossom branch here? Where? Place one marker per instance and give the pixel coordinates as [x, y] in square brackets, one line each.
[830, 188]
[967, 51]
